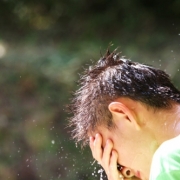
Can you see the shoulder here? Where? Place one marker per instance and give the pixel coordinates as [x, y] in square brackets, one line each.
[167, 158]
[170, 148]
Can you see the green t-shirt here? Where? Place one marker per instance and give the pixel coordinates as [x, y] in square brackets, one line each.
[166, 161]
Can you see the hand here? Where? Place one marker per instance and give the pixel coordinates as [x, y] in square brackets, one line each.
[107, 157]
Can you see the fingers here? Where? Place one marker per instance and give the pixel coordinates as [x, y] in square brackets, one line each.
[96, 147]
[102, 155]
[112, 172]
[106, 156]
[107, 153]
[113, 161]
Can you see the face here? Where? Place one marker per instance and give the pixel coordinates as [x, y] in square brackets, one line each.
[134, 151]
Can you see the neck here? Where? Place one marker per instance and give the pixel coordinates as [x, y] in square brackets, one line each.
[165, 123]
[159, 126]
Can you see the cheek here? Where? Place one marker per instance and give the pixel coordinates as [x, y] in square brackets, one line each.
[125, 158]
[126, 154]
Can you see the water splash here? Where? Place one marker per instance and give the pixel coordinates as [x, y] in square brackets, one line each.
[100, 171]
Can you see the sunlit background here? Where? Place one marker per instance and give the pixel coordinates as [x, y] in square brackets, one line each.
[44, 45]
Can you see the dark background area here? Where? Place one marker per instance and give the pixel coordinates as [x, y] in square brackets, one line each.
[44, 45]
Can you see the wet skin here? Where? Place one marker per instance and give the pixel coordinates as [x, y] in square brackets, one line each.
[107, 157]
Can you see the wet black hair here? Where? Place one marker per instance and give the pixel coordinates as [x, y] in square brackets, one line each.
[113, 77]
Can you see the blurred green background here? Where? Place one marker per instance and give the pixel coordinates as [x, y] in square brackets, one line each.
[44, 45]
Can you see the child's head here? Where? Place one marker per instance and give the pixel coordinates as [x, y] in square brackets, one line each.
[113, 77]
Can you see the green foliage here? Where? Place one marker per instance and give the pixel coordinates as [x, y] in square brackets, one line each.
[44, 45]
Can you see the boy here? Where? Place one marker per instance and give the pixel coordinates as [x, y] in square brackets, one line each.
[130, 115]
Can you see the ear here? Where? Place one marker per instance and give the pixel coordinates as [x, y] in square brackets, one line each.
[120, 112]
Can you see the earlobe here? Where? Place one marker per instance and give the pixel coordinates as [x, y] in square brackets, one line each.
[121, 111]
